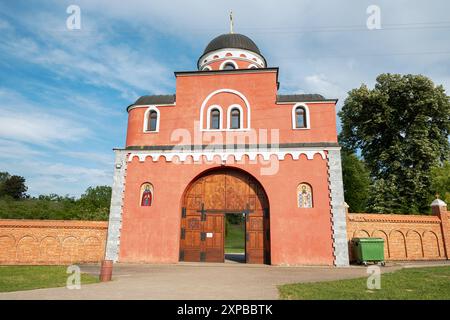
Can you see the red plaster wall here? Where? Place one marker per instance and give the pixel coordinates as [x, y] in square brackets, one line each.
[260, 88]
[298, 236]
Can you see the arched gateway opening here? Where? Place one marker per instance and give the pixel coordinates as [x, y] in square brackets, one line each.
[207, 200]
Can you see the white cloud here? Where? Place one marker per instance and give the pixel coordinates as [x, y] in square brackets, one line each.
[320, 47]
[17, 150]
[44, 177]
[39, 128]
[319, 83]
[90, 55]
[25, 122]
[106, 160]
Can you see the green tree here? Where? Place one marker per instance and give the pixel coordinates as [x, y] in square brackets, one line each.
[99, 196]
[384, 197]
[4, 176]
[440, 181]
[94, 203]
[401, 128]
[14, 186]
[356, 182]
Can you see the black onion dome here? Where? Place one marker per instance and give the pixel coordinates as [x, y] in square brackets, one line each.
[232, 40]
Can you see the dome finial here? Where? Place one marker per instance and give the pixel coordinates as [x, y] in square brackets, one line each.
[231, 22]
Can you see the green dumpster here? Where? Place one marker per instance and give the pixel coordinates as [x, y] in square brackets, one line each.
[368, 250]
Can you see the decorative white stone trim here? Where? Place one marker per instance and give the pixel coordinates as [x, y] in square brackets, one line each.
[158, 119]
[208, 117]
[438, 203]
[308, 120]
[116, 208]
[266, 154]
[338, 212]
[153, 105]
[308, 102]
[208, 58]
[205, 102]
[207, 68]
[241, 117]
[253, 66]
[223, 64]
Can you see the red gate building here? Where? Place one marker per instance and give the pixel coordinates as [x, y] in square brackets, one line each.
[227, 142]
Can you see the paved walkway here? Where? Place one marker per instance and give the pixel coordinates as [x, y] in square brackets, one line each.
[228, 281]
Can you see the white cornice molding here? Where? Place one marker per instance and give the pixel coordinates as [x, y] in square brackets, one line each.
[237, 154]
[235, 55]
[151, 106]
[306, 102]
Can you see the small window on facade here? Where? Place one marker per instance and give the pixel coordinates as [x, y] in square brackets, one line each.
[229, 66]
[300, 117]
[146, 195]
[304, 196]
[235, 119]
[152, 120]
[215, 119]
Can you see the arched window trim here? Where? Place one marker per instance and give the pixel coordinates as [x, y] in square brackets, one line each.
[158, 119]
[308, 119]
[253, 66]
[207, 68]
[241, 117]
[229, 61]
[208, 117]
[247, 115]
[298, 193]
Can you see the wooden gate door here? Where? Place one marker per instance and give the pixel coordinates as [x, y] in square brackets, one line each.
[203, 216]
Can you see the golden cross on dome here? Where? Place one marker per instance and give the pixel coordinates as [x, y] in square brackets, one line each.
[231, 22]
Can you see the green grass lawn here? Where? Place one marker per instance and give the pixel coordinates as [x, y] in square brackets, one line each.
[18, 278]
[235, 239]
[406, 284]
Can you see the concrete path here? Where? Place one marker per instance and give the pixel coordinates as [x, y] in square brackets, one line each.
[194, 281]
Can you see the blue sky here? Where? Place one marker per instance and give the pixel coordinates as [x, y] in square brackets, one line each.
[63, 93]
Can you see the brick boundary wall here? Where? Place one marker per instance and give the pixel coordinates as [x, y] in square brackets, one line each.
[51, 242]
[56, 242]
[406, 237]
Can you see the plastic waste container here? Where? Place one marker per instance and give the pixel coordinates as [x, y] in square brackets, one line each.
[367, 250]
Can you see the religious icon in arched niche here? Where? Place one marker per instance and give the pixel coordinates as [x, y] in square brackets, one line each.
[146, 195]
[304, 196]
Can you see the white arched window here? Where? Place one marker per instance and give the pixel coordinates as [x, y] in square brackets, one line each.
[151, 120]
[235, 117]
[229, 65]
[300, 117]
[214, 118]
[225, 114]
[207, 68]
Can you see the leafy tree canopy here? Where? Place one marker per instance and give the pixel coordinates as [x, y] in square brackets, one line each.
[440, 181]
[401, 128]
[93, 205]
[356, 182]
[13, 186]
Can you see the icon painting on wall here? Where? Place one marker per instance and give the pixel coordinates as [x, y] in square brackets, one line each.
[304, 194]
[146, 195]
